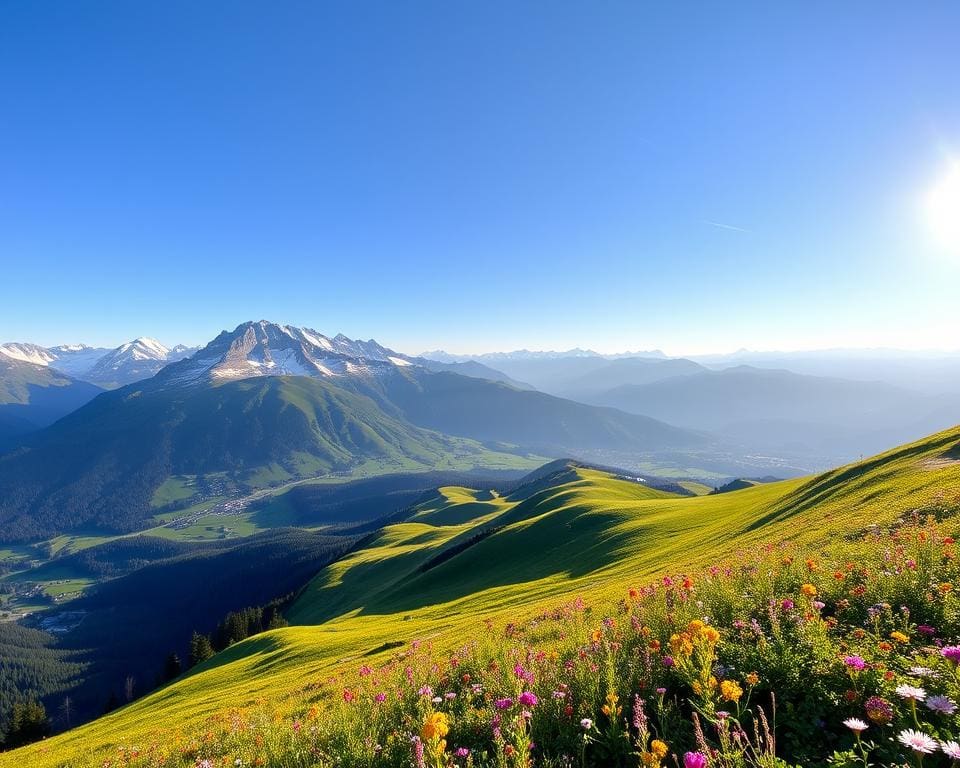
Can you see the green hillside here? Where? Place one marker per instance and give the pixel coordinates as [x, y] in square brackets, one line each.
[34, 396]
[107, 466]
[465, 556]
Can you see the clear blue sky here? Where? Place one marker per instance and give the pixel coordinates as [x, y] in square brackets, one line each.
[479, 175]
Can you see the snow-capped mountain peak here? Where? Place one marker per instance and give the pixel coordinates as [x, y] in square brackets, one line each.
[142, 348]
[263, 348]
[28, 353]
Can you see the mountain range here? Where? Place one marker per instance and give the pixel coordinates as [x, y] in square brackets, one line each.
[274, 400]
[107, 368]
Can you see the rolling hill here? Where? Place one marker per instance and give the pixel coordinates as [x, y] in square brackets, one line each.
[98, 468]
[465, 556]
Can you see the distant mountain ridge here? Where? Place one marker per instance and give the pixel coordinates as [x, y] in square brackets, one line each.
[107, 368]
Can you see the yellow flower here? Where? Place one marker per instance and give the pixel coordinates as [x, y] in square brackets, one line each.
[809, 590]
[752, 679]
[730, 690]
[610, 709]
[659, 749]
[899, 637]
[711, 634]
[695, 626]
[436, 726]
[946, 587]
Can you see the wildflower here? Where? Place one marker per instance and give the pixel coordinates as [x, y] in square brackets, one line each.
[659, 749]
[787, 604]
[611, 709]
[586, 723]
[380, 698]
[668, 661]
[951, 653]
[808, 590]
[918, 741]
[900, 637]
[436, 726]
[528, 699]
[885, 646]
[879, 710]
[425, 690]
[926, 629]
[942, 705]
[503, 704]
[855, 724]
[855, 662]
[462, 752]
[730, 690]
[694, 760]
[951, 749]
[911, 692]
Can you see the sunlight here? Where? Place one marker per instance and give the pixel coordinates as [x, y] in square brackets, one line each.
[943, 209]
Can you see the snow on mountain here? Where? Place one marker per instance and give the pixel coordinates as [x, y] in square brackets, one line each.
[28, 353]
[268, 349]
[139, 359]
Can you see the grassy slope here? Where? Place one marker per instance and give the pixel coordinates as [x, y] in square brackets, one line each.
[589, 534]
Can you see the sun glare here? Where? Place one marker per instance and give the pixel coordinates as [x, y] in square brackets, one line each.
[943, 209]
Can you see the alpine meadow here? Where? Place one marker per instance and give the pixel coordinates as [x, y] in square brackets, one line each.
[479, 385]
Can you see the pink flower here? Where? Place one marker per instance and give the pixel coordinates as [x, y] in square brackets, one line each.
[951, 653]
[918, 741]
[694, 760]
[528, 699]
[855, 662]
[503, 703]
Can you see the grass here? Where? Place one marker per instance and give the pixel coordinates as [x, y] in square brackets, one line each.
[587, 533]
[173, 489]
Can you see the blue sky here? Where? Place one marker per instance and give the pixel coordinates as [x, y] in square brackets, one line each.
[479, 175]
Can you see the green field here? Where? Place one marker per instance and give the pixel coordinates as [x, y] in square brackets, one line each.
[467, 555]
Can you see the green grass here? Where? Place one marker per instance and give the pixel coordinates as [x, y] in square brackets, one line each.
[589, 534]
[177, 488]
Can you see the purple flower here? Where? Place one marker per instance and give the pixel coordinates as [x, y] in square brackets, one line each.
[503, 703]
[926, 629]
[668, 661]
[787, 604]
[942, 705]
[694, 760]
[951, 653]
[855, 662]
[528, 699]
[462, 752]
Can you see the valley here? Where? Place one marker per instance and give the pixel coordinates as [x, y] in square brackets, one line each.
[566, 531]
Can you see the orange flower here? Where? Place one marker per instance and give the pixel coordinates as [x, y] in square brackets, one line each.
[809, 590]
